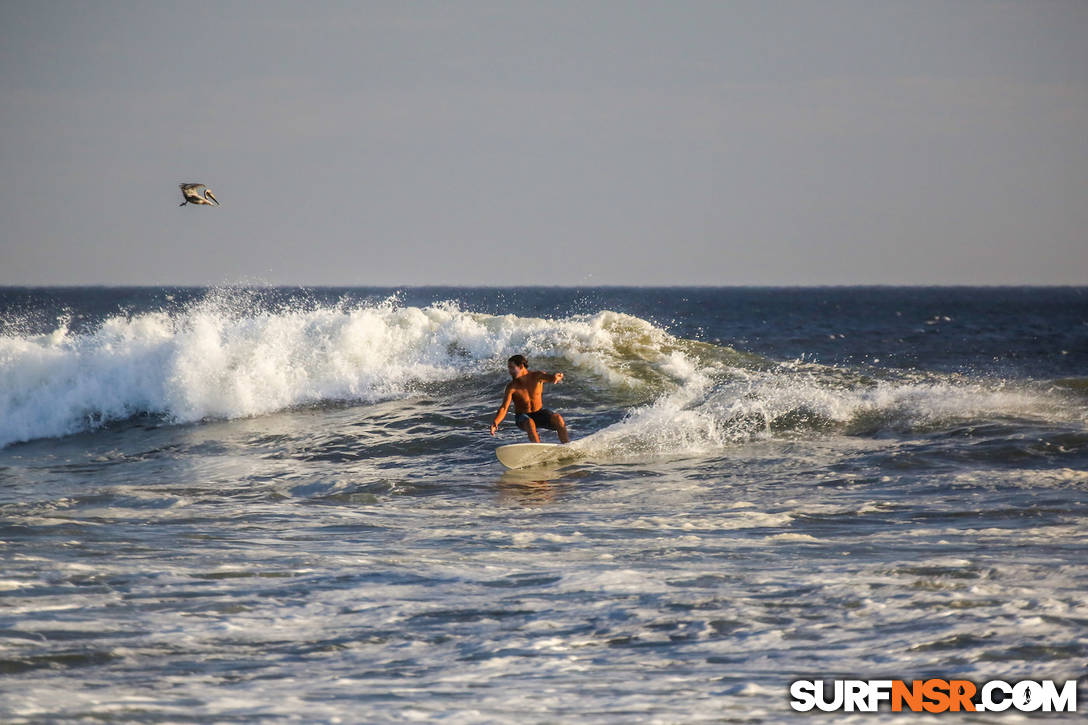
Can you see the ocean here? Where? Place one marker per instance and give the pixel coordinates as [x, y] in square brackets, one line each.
[267, 504]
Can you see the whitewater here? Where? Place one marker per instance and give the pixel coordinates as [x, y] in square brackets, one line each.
[253, 504]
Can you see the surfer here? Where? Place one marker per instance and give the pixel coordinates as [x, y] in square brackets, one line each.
[525, 391]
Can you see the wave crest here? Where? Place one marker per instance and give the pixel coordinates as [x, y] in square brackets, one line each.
[226, 357]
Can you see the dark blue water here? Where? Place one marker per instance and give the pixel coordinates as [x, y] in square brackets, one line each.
[258, 504]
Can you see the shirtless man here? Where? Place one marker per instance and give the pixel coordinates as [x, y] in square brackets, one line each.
[525, 391]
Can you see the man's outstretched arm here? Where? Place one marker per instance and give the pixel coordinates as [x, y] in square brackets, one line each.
[503, 408]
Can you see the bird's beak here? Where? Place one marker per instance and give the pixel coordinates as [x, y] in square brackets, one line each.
[211, 196]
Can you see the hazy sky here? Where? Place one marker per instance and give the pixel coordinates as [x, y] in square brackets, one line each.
[571, 143]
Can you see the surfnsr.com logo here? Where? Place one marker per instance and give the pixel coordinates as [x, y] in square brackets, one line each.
[933, 695]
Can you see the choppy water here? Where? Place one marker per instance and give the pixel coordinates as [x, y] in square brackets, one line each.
[255, 505]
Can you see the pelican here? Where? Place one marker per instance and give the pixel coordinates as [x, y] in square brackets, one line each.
[197, 194]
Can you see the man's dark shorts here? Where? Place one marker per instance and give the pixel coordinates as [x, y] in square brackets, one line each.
[542, 418]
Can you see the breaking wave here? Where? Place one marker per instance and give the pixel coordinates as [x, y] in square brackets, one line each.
[223, 358]
[707, 417]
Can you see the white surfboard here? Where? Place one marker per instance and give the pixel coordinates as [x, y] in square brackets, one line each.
[522, 455]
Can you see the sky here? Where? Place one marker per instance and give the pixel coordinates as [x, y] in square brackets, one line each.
[590, 142]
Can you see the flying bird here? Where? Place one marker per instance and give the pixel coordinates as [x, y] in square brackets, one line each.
[197, 194]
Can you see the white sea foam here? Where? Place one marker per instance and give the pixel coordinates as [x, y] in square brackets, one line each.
[715, 408]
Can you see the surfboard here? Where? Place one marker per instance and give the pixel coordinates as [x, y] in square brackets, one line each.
[522, 455]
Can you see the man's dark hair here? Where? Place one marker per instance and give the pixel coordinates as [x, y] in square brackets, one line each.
[519, 360]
